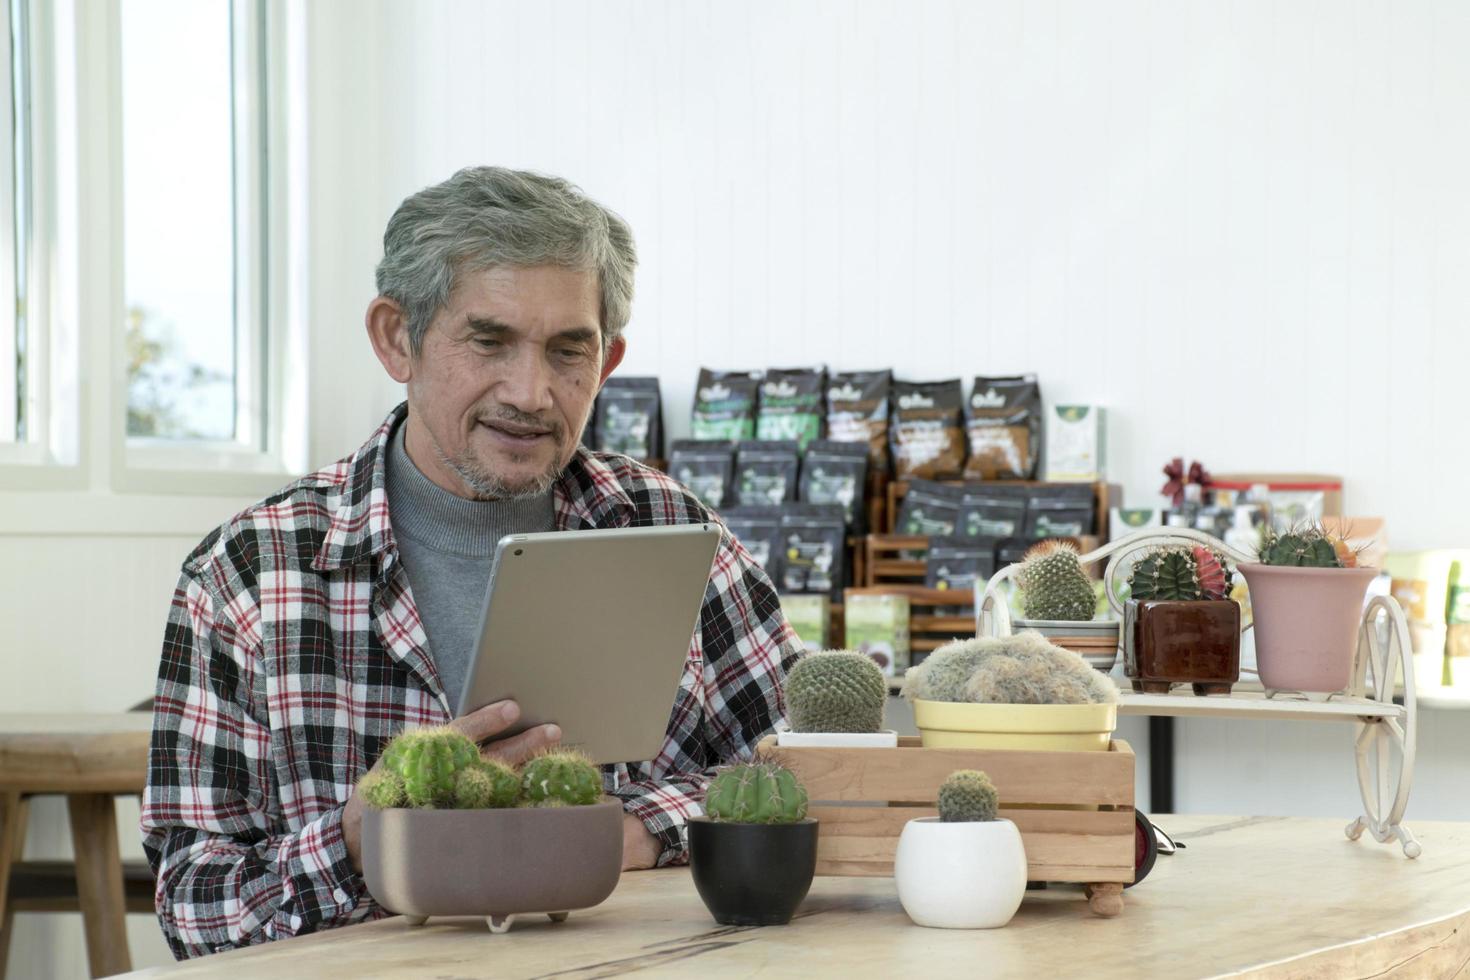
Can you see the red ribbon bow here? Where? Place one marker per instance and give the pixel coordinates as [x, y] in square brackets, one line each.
[1178, 480]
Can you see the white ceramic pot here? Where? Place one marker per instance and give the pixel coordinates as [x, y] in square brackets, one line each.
[838, 740]
[960, 875]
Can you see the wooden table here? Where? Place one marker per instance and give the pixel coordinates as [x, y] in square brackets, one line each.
[88, 759]
[1254, 896]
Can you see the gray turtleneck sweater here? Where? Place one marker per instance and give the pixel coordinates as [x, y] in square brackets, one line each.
[447, 545]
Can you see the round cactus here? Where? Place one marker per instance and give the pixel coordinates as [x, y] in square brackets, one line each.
[967, 796]
[1212, 572]
[382, 790]
[429, 760]
[1053, 584]
[1308, 547]
[486, 784]
[1020, 669]
[561, 775]
[838, 691]
[755, 792]
[1166, 573]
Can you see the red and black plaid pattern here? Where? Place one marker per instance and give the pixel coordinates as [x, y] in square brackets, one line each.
[294, 652]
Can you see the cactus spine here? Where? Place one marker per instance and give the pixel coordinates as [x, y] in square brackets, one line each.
[429, 761]
[966, 796]
[1054, 584]
[561, 777]
[382, 790]
[837, 691]
[756, 792]
[1020, 669]
[486, 784]
[1306, 547]
[1180, 573]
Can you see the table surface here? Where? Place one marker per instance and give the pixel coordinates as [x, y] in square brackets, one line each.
[1261, 896]
[72, 753]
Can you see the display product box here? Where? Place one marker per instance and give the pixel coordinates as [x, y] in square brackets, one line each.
[878, 625]
[1076, 443]
[1123, 521]
[811, 617]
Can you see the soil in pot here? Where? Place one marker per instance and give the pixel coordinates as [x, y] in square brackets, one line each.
[1168, 642]
[1306, 624]
[752, 874]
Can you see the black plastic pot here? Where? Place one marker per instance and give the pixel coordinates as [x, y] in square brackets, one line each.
[752, 874]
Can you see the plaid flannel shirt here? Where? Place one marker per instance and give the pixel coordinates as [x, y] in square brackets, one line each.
[293, 653]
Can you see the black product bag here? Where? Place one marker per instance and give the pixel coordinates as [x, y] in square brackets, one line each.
[988, 511]
[857, 411]
[1060, 510]
[927, 431]
[790, 405]
[705, 467]
[814, 555]
[766, 473]
[836, 473]
[724, 405]
[955, 564]
[929, 509]
[630, 418]
[1003, 428]
[759, 530]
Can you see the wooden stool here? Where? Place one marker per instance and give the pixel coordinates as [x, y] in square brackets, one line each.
[89, 759]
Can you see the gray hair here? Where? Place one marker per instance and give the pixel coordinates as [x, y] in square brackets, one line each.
[490, 216]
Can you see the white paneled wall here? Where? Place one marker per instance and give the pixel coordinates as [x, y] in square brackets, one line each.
[1241, 226]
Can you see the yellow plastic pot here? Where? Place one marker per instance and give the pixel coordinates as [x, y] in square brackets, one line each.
[1065, 727]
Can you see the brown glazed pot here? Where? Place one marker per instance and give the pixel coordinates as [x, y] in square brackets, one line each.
[1169, 642]
[492, 863]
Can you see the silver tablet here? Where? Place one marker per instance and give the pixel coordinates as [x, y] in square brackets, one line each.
[590, 630]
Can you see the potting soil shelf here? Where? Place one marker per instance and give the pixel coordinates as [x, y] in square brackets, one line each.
[1255, 704]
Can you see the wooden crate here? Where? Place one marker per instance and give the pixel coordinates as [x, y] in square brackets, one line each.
[863, 797]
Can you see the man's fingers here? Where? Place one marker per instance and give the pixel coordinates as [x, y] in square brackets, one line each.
[488, 721]
[514, 751]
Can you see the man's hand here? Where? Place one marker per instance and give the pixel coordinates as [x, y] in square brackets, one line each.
[480, 727]
[640, 848]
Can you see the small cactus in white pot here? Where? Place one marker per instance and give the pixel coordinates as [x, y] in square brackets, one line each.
[966, 868]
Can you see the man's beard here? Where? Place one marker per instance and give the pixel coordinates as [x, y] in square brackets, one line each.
[491, 486]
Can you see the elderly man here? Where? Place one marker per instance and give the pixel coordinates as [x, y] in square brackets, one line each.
[310, 629]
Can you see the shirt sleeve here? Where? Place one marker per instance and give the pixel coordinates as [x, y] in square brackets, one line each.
[226, 873]
[729, 699]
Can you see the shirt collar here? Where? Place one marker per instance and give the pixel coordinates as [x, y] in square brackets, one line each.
[588, 494]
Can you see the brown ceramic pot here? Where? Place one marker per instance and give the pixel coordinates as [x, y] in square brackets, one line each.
[1168, 642]
[492, 863]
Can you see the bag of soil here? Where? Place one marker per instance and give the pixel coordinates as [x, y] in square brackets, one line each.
[992, 512]
[927, 434]
[836, 473]
[1060, 511]
[791, 405]
[1003, 425]
[814, 539]
[857, 411]
[765, 473]
[630, 418]
[930, 509]
[759, 530]
[724, 405]
[705, 467]
[1011, 551]
[956, 564]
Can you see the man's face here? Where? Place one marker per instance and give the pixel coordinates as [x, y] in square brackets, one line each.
[505, 379]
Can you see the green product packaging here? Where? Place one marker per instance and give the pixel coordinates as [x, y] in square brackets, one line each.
[877, 624]
[790, 405]
[724, 405]
[811, 617]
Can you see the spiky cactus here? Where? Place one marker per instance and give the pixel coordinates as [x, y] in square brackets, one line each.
[429, 761]
[1180, 573]
[755, 792]
[836, 691]
[967, 796]
[561, 777]
[1305, 547]
[1054, 585]
[486, 784]
[1021, 669]
[382, 790]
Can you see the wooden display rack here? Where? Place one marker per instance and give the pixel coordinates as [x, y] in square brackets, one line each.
[1074, 809]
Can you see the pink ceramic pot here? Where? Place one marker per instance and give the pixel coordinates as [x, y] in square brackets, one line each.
[1306, 624]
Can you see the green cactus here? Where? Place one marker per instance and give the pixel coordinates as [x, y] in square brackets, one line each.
[1306, 547]
[382, 790]
[486, 784]
[1053, 584]
[1020, 669]
[429, 760]
[837, 691]
[967, 796]
[1167, 573]
[569, 777]
[755, 792]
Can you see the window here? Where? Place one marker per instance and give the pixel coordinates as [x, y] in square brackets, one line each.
[18, 365]
[194, 225]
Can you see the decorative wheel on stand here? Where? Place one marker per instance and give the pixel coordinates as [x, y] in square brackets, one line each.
[1385, 745]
